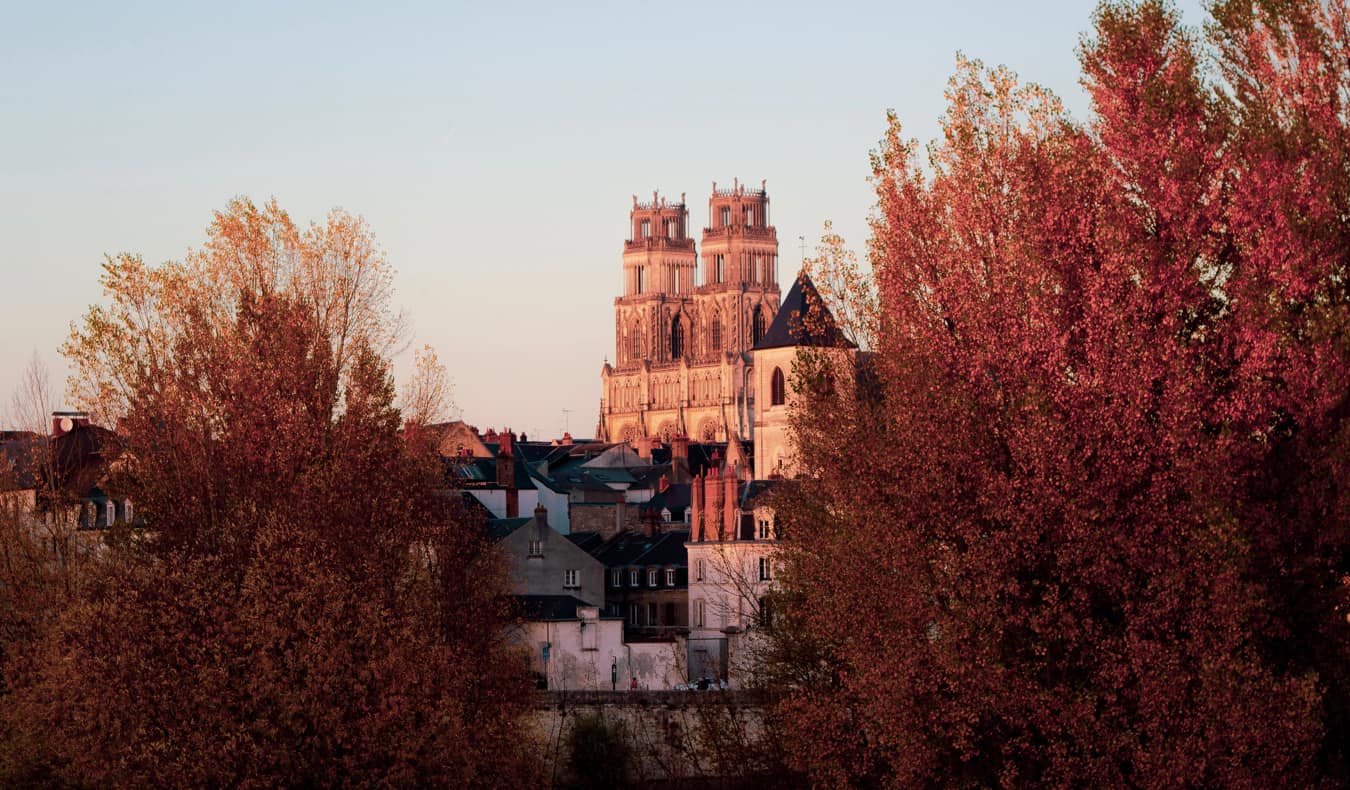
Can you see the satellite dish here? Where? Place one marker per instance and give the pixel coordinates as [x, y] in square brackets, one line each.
[67, 424]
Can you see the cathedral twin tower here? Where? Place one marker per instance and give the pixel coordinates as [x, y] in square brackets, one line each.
[682, 363]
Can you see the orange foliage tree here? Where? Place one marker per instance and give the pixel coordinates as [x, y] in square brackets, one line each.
[1078, 519]
[306, 608]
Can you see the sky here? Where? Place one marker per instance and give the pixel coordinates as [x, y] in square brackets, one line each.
[493, 147]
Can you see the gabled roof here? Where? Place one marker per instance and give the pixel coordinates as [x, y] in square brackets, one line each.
[789, 327]
[620, 455]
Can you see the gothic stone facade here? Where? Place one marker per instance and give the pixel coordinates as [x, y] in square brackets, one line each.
[682, 362]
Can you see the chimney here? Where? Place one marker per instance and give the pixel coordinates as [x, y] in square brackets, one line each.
[663, 484]
[679, 459]
[540, 517]
[63, 422]
[506, 473]
[696, 508]
[712, 497]
[729, 524]
[644, 447]
[567, 438]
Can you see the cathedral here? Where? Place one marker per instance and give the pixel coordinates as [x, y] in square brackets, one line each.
[683, 332]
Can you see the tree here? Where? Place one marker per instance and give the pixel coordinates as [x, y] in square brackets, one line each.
[429, 396]
[1095, 463]
[309, 609]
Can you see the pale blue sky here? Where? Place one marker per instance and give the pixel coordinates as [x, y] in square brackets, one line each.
[493, 147]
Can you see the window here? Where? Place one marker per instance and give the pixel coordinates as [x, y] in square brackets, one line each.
[670, 577]
[616, 579]
[676, 338]
[698, 571]
[126, 511]
[651, 577]
[670, 229]
[536, 548]
[636, 339]
[698, 613]
[633, 578]
[640, 277]
[634, 611]
[571, 578]
[726, 217]
[646, 228]
[749, 216]
[652, 618]
[765, 615]
[716, 332]
[757, 325]
[777, 388]
[110, 512]
[765, 569]
[765, 528]
[721, 271]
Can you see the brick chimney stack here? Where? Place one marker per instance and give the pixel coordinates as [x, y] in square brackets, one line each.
[712, 495]
[506, 472]
[730, 479]
[679, 459]
[540, 517]
[696, 508]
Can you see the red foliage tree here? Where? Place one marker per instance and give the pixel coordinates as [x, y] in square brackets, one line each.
[1096, 458]
[305, 609]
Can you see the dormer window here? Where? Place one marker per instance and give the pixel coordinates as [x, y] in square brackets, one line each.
[616, 578]
[651, 577]
[633, 578]
[670, 577]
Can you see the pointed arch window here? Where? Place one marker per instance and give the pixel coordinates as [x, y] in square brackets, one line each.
[777, 388]
[715, 334]
[676, 338]
[757, 325]
[637, 342]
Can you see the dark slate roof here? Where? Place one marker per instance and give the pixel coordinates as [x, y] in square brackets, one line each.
[675, 497]
[548, 607]
[637, 549]
[482, 473]
[586, 541]
[755, 488]
[788, 328]
[498, 528]
[19, 467]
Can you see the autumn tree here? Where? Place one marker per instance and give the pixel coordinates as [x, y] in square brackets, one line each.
[308, 610]
[1078, 521]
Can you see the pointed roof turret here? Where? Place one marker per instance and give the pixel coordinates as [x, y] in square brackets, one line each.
[790, 326]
